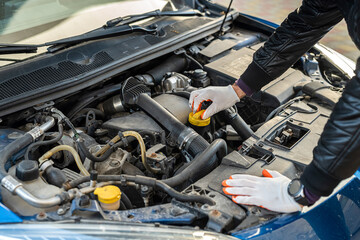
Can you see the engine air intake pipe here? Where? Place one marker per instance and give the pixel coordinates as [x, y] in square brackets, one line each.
[135, 93]
[172, 64]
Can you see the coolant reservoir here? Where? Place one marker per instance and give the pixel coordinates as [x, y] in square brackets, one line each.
[109, 197]
[36, 186]
[201, 126]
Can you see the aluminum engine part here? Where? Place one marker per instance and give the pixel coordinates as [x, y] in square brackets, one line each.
[112, 165]
[156, 156]
[174, 81]
[176, 105]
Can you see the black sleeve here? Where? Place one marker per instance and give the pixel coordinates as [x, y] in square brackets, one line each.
[337, 155]
[297, 34]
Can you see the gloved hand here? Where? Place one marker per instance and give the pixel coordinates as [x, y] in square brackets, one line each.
[269, 192]
[221, 97]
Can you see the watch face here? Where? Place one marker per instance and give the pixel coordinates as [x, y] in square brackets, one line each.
[294, 187]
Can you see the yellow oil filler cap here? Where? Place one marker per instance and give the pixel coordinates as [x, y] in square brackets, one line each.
[109, 197]
[195, 119]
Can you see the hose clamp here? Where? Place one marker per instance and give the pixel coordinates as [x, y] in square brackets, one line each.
[10, 183]
[186, 137]
[35, 132]
[120, 134]
[45, 165]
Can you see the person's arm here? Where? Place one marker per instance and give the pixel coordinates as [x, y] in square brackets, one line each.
[297, 34]
[335, 158]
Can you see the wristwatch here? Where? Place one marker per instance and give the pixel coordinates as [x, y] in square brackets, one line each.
[296, 190]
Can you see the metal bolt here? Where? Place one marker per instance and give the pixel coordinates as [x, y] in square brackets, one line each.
[114, 163]
[144, 189]
[41, 216]
[60, 211]
[205, 207]
[215, 213]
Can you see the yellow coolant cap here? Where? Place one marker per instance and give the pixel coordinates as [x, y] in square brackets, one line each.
[108, 194]
[195, 119]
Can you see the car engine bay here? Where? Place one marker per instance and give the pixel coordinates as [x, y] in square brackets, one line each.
[129, 149]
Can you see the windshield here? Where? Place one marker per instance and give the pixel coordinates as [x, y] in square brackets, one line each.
[40, 21]
[21, 19]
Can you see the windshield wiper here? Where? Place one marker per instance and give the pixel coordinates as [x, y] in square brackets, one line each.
[109, 30]
[157, 13]
[17, 48]
[99, 33]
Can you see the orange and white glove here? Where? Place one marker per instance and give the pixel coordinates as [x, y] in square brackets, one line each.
[269, 192]
[221, 97]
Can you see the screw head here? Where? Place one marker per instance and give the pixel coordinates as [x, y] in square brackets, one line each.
[60, 211]
[41, 216]
[144, 188]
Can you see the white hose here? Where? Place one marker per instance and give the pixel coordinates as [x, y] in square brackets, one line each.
[70, 149]
[142, 148]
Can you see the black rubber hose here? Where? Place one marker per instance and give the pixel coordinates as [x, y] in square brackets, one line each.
[152, 182]
[202, 163]
[107, 154]
[82, 113]
[182, 197]
[122, 205]
[126, 201]
[238, 124]
[197, 145]
[55, 176]
[44, 143]
[172, 64]
[11, 149]
[87, 154]
[149, 134]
